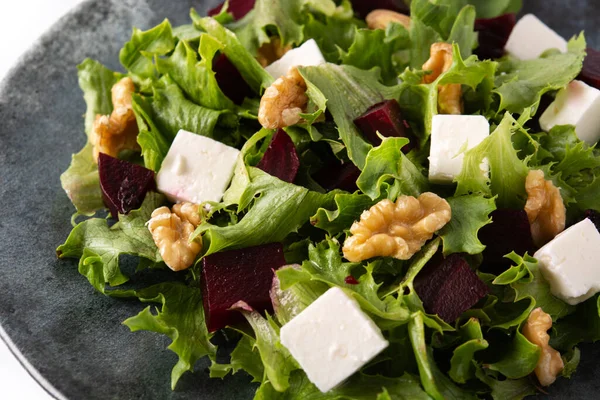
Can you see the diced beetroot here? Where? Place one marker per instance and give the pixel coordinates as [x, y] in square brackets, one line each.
[281, 159]
[238, 275]
[363, 7]
[124, 185]
[350, 280]
[493, 35]
[385, 118]
[448, 287]
[509, 231]
[239, 8]
[338, 176]
[590, 73]
[230, 80]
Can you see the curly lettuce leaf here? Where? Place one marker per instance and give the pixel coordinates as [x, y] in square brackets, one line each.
[507, 171]
[496, 8]
[276, 209]
[99, 246]
[252, 72]
[462, 364]
[181, 318]
[388, 170]
[521, 83]
[506, 389]
[518, 358]
[348, 208]
[581, 326]
[470, 213]
[333, 34]
[81, 181]
[138, 54]
[245, 357]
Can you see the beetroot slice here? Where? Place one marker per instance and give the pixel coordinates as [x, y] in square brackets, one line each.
[493, 35]
[239, 8]
[363, 7]
[385, 118]
[281, 159]
[238, 275]
[338, 176]
[124, 185]
[509, 231]
[448, 287]
[590, 73]
[230, 80]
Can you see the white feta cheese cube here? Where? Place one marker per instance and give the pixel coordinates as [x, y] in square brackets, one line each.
[196, 169]
[579, 105]
[569, 263]
[308, 54]
[451, 136]
[531, 37]
[332, 339]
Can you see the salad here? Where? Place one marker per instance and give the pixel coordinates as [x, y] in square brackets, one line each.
[370, 200]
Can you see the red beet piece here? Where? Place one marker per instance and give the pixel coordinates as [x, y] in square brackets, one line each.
[385, 118]
[239, 8]
[124, 185]
[449, 287]
[238, 275]
[590, 73]
[281, 159]
[338, 176]
[230, 80]
[350, 280]
[363, 7]
[493, 35]
[509, 231]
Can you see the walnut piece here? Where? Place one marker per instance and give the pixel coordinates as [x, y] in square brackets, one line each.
[283, 101]
[449, 95]
[397, 229]
[535, 330]
[188, 212]
[380, 19]
[117, 131]
[545, 208]
[271, 51]
[171, 233]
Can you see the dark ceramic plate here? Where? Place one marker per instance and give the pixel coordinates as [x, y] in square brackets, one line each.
[51, 316]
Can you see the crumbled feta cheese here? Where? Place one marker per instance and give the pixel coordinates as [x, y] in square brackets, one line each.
[569, 263]
[196, 169]
[451, 136]
[332, 339]
[531, 37]
[306, 55]
[579, 105]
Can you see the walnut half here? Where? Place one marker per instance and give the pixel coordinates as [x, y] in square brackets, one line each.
[535, 330]
[449, 95]
[397, 229]
[283, 101]
[117, 131]
[171, 233]
[545, 208]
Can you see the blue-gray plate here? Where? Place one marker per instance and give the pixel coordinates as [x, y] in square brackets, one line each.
[53, 319]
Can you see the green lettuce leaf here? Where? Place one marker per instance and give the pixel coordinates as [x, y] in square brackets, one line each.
[521, 84]
[81, 181]
[333, 34]
[469, 214]
[277, 209]
[507, 389]
[99, 246]
[388, 170]
[462, 365]
[252, 72]
[245, 357]
[348, 208]
[496, 8]
[137, 55]
[519, 358]
[581, 326]
[507, 170]
[181, 318]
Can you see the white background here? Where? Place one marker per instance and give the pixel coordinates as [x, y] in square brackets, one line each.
[22, 22]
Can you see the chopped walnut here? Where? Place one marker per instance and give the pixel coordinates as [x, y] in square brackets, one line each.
[117, 131]
[449, 95]
[171, 233]
[535, 330]
[283, 101]
[397, 229]
[271, 51]
[545, 208]
[380, 19]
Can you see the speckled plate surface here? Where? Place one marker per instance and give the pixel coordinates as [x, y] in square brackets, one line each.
[71, 335]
